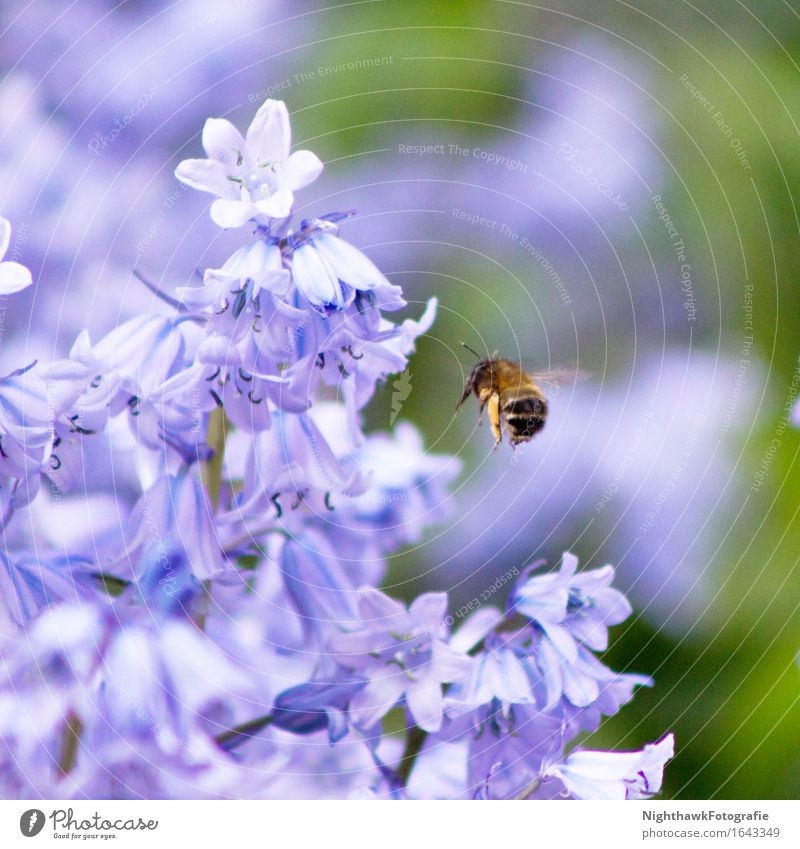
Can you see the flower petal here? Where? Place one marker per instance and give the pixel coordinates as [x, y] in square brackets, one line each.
[377, 699]
[302, 168]
[5, 235]
[232, 213]
[424, 700]
[429, 610]
[13, 278]
[223, 142]
[269, 133]
[208, 175]
[277, 205]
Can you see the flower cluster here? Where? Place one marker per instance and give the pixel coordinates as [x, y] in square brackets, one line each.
[196, 527]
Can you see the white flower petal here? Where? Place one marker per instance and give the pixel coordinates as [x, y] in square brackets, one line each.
[13, 278]
[223, 142]
[349, 264]
[269, 134]
[302, 168]
[314, 278]
[232, 213]
[277, 205]
[208, 175]
[5, 235]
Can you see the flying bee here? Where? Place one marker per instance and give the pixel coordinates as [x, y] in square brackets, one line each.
[512, 396]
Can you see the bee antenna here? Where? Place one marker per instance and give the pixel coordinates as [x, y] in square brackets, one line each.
[471, 350]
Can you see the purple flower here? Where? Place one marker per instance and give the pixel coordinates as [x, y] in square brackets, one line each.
[26, 437]
[254, 177]
[172, 524]
[571, 612]
[30, 582]
[329, 273]
[403, 654]
[315, 705]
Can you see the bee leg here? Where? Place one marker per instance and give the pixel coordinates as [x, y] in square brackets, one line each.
[494, 418]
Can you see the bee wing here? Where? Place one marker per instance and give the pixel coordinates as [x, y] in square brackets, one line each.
[562, 376]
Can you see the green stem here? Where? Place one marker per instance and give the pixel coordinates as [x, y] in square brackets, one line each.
[243, 730]
[211, 475]
[212, 469]
[414, 743]
[69, 744]
[529, 789]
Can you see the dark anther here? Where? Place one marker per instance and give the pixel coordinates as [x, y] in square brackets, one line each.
[55, 463]
[349, 350]
[300, 497]
[320, 360]
[97, 381]
[276, 503]
[342, 370]
[223, 307]
[328, 501]
[217, 399]
[244, 375]
[215, 375]
[83, 431]
[254, 400]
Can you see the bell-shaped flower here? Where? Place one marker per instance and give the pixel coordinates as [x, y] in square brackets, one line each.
[570, 614]
[329, 272]
[229, 296]
[507, 747]
[254, 177]
[385, 352]
[29, 582]
[292, 468]
[26, 436]
[13, 276]
[172, 521]
[320, 588]
[404, 654]
[614, 775]
[593, 606]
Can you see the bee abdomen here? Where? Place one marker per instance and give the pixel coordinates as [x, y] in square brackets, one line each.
[525, 408]
[521, 429]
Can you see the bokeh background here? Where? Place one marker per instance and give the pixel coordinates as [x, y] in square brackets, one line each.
[605, 185]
